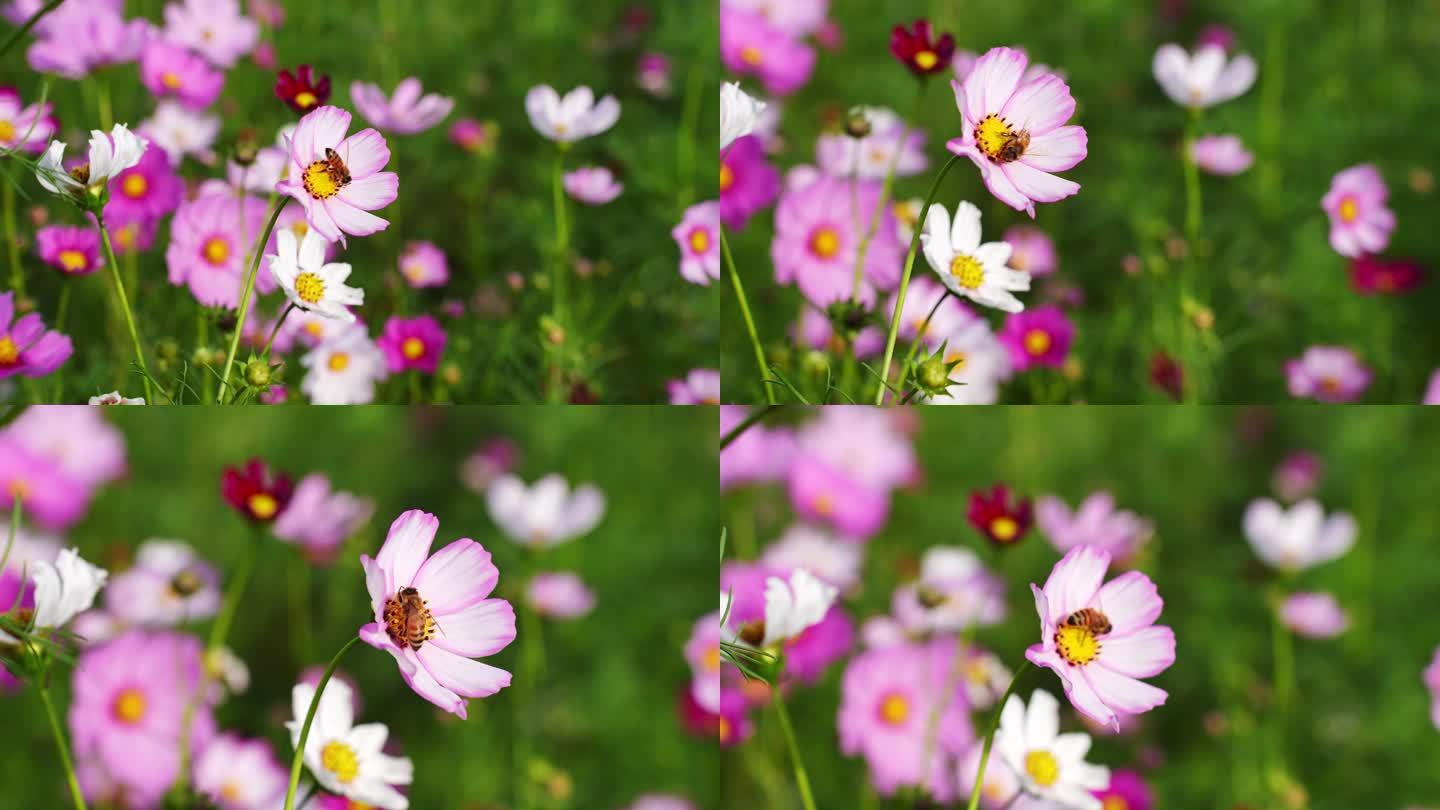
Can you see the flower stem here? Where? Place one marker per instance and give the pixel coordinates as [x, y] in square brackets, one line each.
[990, 737]
[885, 189]
[299, 582]
[107, 117]
[62, 309]
[124, 304]
[750, 421]
[748, 318]
[14, 530]
[245, 299]
[562, 239]
[802, 780]
[221, 629]
[30, 23]
[12, 247]
[310, 718]
[905, 277]
[276, 330]
[61, 747]
[532, 668]
[919, 333]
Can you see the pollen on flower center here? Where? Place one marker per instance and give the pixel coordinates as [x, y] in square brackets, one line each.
[324, 178]
[824, 242]
[1042, 767]
[134, 186]
[309, 287]
[129, 706]
[727, 177]
[824, 506]
[926, 60]
[230, 792]
[1114, 803]
[305, 98]
[711, 660]
[262, 505]
[300, 228]
[170, 80]
[700, 240]
[1037, 341]
[9, 352]
[999, 141]
[72, 261]
[413, 348]
[1004, 528]
[339, 759]
[751, 56]
[338, 361]
[968, 271]
[894, 709]
[217, 250]
[7, 131]
[1077, 644]
[1349, 210]
[724, 730]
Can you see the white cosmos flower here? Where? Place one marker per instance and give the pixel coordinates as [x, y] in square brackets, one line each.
[109, 155]
[1203, 79]
[181, 131]
[575, 117]
[739, 112]
[546, 513]
[967, 267]
[819, 550]
[1301, 537]
[300, 268]
[792, 607]
[1050, 765]
[115, 398]
[344, 369]
[65, 588]
[345, 758]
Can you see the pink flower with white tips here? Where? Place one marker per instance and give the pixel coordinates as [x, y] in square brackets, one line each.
[1101, 639]
[432, 613]
[1014, 130]
[338, 179]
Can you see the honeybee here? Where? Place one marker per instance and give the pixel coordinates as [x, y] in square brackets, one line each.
[408, 620]
[340, 175]
[1089, 618]
[1013, 146]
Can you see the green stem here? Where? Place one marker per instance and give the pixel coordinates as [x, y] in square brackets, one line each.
[62, 309]
[532, 664]
[221, 629]
[17, 276]
[885, 189]
[273, 332]
[1193, 212]
[915, 344]
[299, 760]
[245, 299]
[14, 530]
[62, 747]
[300, 605]
[124, 305]
[748, 318]
[562, 239]
[905, 278]
[30, 23]
[990, 736]
[107, 118]
[749, 422]
[802, 780]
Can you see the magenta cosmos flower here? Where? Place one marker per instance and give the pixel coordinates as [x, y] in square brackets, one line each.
[71, 249]
[698, 236]
[79, 37]
[168, 585]
[751, 46]
[1327, 374]
[1224, 155]
[700, 387]
[423, 264]
[1038, 337]
[412, 344]
[171, 70]
[432, 614]
[319, 518]
[405, 113]
[240, 774]
[1095, 522]
[338, 179]
[26, 348]
[559, 595]
[81, 441]
[1359, 221]
[1031, 250]
[1314, 615]
[816, 241]
[52, 499]
[759, 455]
[808, 654]
[1014, 131]
[213, 28]
[1127, 791]
[24, 128]
[593, 185]
[207, 250]
[146, 191]
[1100, 639]
[474, 136]
[1432, 682]
[748, 182]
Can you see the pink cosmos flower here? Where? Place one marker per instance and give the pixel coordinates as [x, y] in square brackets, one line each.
[1327, 374]
[1204, 79]
[1432, 389]
[1314, 615]
[1359, 221]
[698, 236]
[1095, 522]
[700, 387]
[25, 347]
[592, 185]
[492, 459]
[889, 697]
[1432, 682]
[215, 29]
[1038, 337]
[662, 801]
[890, 145]
[1014, 131]
[412, 344]
[169, 585]
[128, 706]
[1221, 154]
[71, 249]
[652, 73]
[24, 128]
[1127, 791]
[423, 264]
[168, 69]
[474, 136]
[829, 558]
[459, 622]
[319, 518]
[815, 330]
[146, 191]
[559, 595]
[1031, 250]
[338, 179]
[759, 455]
[798, 18]
[131, 237]
[78, 37]
[820, 493]
[1101, 653]
[816, 242]
[80, 441]
[1218, 35]
[1297, 475]
[926, 294]
[748, 183]
[405, 113]
[207, 252]
[954, 592]
[751, 46]
[240, 774]
[808, 654]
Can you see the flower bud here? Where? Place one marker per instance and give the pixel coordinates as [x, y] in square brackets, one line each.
[257, 373]
[933, 375]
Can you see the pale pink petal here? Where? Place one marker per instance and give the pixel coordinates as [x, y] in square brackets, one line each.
[1121, 693]
[1004, 190]
[1171, 66]
[1075, 580]
[465, 677]
[1081, 695]
[1235, 79]
[1141, 654]
[1042, 609]
[479, 630]
[1037, 185]
[374, 634]
[375, 583]
[426, 686]
[456, 577]
[994, 79]
[1040, 105]
[405, 93]
[1130, 601]
[352, 220]
[406, 546]
[1057, 150]
[364, 153]
[371, 193]
[320, 129]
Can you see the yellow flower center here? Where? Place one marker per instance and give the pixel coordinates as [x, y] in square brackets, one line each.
[338, 361]
[999, 141]
[926, 60]
[125, 236]
[824, 506]
[339, 759]
[324, 178]
[1349, 209]
[316, 329]
[825, 243]
[230, 792]
[358, 805]
[968, 271]
[309, 287]
[1114, 803]
[700, 241]
[263, 505]
[894, 709]
[724, 730]
[300, 228]
[134, 186]
[19, 488]
[727, 177]
[1004, 528]
[73, 261]
[217, 250]
[907, 213]
[1042, 767]
[129, 707]
[170, 80]
[1077, 644]
[305, 99]
[1037, 341]
[9, 352]
[711, 660]
[412, 348]
[7, 131]
[751, 56]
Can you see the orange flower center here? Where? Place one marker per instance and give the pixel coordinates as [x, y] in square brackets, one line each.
[926, 60]
[824, 242]
[170, 80]
[1349, 209]
[9, 352]
[134, 186]
[217, 250]
[894, 709]
[727, 177]
[338, 361]
[1037, 341]
[129, 706]
[700, 240]
[413, 348]
[751, 56]
[73, 261]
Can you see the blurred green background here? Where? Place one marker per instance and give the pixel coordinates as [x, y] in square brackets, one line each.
[1340, 82]
[1360, 734]
[492, 216]
[601, 717]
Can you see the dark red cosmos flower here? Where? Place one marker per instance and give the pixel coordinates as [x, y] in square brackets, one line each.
[1000, 515]
[920, 53]
[255, 492]
[304, 90]
[1370, 275]
[1167, 375]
